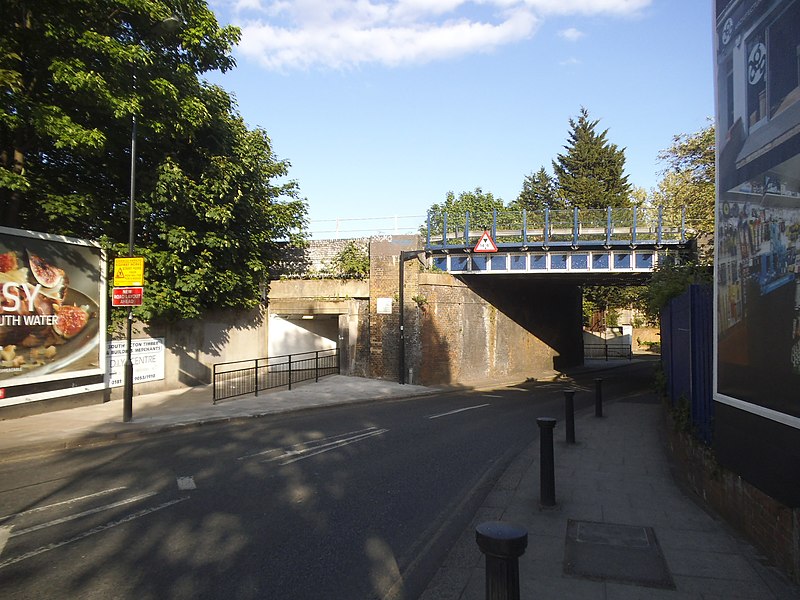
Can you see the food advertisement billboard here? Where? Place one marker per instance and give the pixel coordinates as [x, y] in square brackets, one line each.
[757, 296]
[52, 316]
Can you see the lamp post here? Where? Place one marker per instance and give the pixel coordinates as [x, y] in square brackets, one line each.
[168, 25]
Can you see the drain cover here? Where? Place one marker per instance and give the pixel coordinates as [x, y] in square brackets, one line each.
[611, 552]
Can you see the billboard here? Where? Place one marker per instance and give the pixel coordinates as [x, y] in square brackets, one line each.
[757, 255]
[52, 316]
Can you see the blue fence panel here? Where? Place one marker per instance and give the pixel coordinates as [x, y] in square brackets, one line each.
[687, 355]
[702, 331]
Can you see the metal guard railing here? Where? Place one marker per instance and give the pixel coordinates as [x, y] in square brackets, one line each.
[513, 228]
[607, 351]
[252, 376]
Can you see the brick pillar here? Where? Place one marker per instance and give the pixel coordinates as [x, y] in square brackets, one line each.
[384, 335]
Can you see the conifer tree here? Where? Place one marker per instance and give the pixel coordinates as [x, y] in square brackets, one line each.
[591, 173]
[539, 191]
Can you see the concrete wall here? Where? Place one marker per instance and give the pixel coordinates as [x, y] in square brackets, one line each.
[340, 311]
[193, 346]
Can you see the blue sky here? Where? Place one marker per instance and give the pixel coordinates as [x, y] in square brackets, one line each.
[383, 106]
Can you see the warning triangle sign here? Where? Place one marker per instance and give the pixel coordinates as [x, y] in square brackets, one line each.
[485, 244]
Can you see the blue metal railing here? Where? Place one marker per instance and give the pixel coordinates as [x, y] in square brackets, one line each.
[511, 228]
[258, 374]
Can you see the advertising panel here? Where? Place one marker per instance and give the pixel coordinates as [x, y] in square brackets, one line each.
[52, 317]
[757, 324]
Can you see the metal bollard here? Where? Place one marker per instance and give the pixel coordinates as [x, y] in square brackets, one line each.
[503, 544]
[598, 398]
[569, 414]
[547, 472]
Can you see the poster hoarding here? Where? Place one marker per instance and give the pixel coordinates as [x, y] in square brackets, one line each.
[757, 296]
[52, 315]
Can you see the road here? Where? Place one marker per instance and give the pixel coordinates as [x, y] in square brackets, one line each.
[342, 503]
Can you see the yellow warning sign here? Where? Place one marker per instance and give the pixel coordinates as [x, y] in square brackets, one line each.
[129, 271]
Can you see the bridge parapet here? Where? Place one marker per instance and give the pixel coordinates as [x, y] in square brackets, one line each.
[519, 229]
[607, 241]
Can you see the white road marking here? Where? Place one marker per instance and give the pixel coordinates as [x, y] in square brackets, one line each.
[70, 501]
[459, 410]
[491, 395]
[85, 534]
[186, 483]
[85, 513]
[304, 444]
[5, 533]
[296, 455]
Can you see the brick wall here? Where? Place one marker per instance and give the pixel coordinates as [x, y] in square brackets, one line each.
[468, 335]
[773, 527]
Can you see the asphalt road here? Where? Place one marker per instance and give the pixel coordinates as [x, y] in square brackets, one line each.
[342, 503]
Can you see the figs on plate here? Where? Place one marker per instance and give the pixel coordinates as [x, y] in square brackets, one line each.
[48, 275]
[70, 320]
[8, 262]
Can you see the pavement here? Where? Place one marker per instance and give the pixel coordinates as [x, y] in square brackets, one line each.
[620, 527]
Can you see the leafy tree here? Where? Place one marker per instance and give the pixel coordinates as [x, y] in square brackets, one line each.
[74, 75]
[478, 203]
[670, 280]
[689, 181]
[590, 174]
[608, 300]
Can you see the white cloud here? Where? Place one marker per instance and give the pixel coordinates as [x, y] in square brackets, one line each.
[301, 34]
[571, 34]
[570, 62]
[588, 7]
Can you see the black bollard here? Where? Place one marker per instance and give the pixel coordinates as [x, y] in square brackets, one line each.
[598, 398]
[503, 544]
[547, 471]
[569, 414]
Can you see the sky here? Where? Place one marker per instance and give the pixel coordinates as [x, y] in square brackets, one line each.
[384, 106]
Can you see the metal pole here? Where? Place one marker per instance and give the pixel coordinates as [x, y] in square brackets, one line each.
[402, 359]
[547, 473]
[598, 398]
[569, 414]
[502, 544]
[127, 402]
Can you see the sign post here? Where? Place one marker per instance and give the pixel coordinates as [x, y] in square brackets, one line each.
[128, 291]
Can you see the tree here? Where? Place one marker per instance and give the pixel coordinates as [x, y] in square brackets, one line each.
[590, 174]
[478, 203]
[539, 191]
[73, 74]
[689, 181]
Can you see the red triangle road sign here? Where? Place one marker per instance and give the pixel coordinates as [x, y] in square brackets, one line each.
[485, 244]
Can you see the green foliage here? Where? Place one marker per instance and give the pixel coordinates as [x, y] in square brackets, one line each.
[590, 174]
[609, 300]
[670, 280]
[478, 203]
[539, 191]
[352, 261]
[74, 74]
[689, 181]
